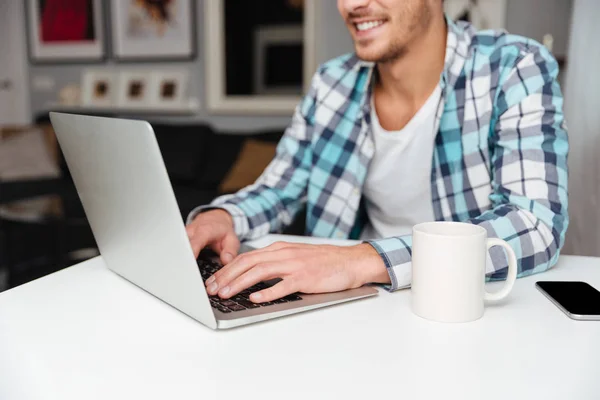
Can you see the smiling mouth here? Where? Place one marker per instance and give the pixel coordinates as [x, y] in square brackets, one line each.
[368, 25]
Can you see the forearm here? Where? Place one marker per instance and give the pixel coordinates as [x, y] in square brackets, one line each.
[536, 242]
[259, 210]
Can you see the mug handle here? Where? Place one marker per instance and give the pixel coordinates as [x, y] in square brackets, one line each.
[512, 270]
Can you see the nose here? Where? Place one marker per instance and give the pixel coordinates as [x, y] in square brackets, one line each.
[352, 5]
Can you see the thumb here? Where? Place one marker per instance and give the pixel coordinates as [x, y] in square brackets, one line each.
[229, 248]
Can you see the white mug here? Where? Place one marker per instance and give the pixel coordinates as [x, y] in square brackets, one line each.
[448, 271]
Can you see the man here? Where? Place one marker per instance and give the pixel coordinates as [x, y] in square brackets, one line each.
[428, 120]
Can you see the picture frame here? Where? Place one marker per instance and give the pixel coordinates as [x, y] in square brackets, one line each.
[274, 36]
[134, 89]
[144, 31]
[50, 42]
[218, 101]
[98, 88]
[168, 89]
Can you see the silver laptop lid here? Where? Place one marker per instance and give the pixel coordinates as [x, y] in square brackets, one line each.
[123, 184]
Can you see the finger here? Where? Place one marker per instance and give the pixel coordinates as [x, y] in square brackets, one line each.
[199, 240]
[258, 273]
[244, 262]
[230, 245]
[216, 246]
[277, 246]
[240, 265]
[282, 289]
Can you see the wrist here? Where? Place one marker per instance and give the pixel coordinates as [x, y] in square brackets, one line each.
[222, 215]
[368, 265]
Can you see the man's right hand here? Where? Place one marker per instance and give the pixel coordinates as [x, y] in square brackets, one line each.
[214, 228]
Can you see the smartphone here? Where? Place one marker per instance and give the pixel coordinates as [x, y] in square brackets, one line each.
[579, 300]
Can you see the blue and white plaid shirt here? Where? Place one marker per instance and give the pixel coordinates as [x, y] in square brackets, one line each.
[500, 155]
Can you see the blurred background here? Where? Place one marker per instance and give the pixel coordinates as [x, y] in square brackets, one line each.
[218, 80]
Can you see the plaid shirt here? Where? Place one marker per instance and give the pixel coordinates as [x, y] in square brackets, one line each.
[500, 155]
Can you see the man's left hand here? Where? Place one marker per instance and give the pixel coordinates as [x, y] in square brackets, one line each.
[302, 268]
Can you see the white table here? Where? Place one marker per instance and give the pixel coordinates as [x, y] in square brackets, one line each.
[85, 333]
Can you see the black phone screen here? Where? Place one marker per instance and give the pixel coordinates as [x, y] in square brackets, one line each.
[576, 297]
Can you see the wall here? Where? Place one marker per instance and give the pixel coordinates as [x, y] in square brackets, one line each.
[332, 36]
[582, 99]
[14, 89]
[535, 18]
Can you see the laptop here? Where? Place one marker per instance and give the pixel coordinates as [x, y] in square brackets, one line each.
[123, 185]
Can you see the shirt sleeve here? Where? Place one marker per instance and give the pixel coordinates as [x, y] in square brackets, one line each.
[270, 204]
[529, 149]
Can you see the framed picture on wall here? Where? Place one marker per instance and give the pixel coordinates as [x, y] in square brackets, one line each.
[98, 88]
[134, 89]
[65, 31]
[152, 29]
[168, 88]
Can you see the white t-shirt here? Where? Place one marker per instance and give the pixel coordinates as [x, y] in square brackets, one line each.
[397, 188]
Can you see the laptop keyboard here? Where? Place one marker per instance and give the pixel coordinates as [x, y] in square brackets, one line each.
[240, 301]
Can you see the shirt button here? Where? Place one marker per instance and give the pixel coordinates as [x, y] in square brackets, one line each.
[339, 235]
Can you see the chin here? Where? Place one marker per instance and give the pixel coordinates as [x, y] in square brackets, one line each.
[373, 50]
[378, 54]
[369, 55]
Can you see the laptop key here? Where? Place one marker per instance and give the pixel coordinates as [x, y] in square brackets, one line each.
[280, 301]
[260, 286]
[292, 297]
[223, 309]
[248, 304]
[236, 307]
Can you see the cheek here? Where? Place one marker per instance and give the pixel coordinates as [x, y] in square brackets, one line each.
[397, 31]
[341, 9]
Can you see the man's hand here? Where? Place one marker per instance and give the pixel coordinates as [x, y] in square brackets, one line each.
[302, 268]
[214, 229]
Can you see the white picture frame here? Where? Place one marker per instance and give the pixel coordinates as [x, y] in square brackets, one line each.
[134, 89]
[168, 89]
[218, 101]
[137, 37]
[99, 88]
[48, 46]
